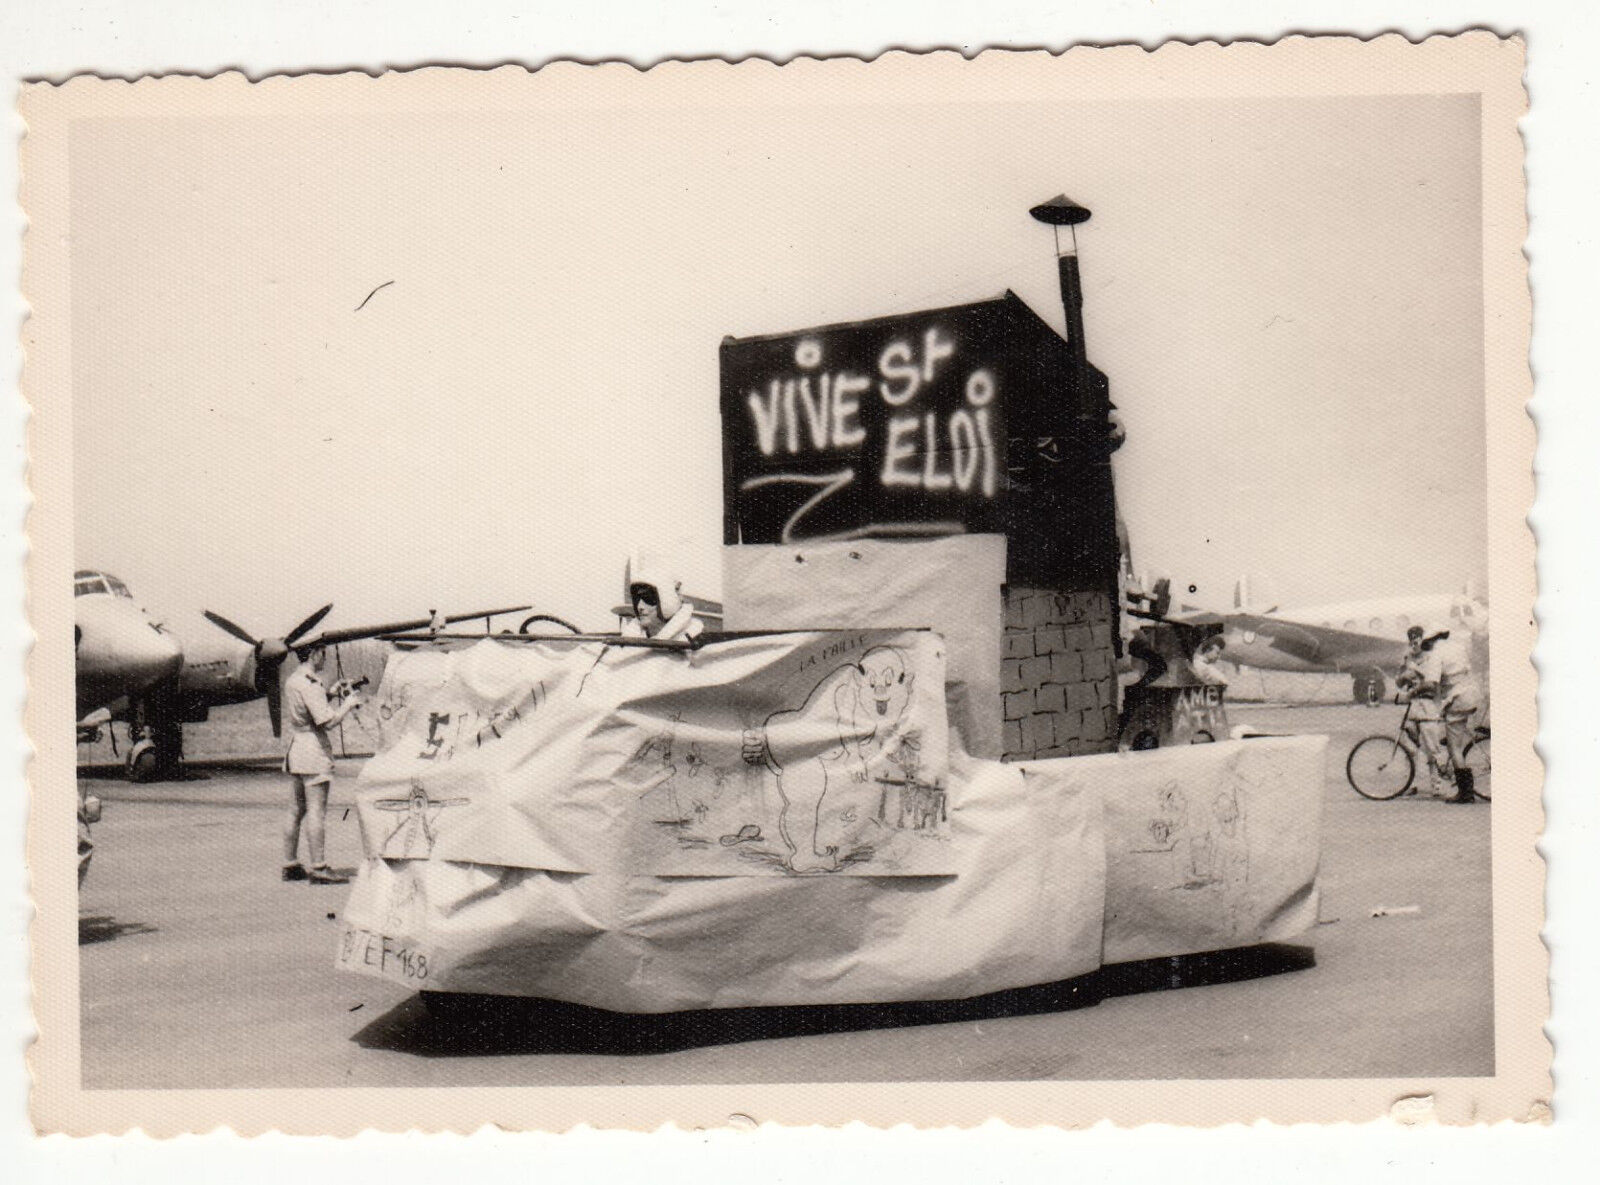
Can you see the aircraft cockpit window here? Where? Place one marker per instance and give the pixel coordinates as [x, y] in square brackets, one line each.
[118, 589]
[87, 585]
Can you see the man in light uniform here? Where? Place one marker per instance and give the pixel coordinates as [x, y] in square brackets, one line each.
[1423, 734]
[309, 762]
[1460, 699]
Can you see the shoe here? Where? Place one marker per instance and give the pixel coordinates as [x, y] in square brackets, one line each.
[294, 872]
[321, 874]
[1464, 791]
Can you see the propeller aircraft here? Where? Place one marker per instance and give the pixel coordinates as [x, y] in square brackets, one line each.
[134, 669]
[1365, 639]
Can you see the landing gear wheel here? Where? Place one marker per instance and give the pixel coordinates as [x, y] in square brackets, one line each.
[168, 740]
[1379, 769]
[1368, 687]
[143, 763]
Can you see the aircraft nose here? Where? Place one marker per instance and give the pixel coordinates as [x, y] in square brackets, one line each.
[151, 656]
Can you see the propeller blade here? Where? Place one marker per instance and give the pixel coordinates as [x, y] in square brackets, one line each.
[223, 623]
[306, 626]
[275, 705]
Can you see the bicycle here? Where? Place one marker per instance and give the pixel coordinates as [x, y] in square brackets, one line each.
[1380, 767]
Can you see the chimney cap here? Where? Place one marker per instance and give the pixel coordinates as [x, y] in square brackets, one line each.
[1060, 211]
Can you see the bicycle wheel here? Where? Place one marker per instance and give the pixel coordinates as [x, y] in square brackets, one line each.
[1379, 769]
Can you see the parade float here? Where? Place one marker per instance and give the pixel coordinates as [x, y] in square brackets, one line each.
[893, 774]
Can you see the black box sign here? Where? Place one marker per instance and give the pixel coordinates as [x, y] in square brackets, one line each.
[919, 424]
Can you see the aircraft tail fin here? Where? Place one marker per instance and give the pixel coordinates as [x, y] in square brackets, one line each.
[1161, 597]
[1252, 595]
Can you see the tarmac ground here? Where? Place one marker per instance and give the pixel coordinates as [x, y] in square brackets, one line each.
[200, 968]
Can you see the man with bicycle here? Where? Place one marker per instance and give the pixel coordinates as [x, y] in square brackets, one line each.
[1423, 733]
[1460, 700]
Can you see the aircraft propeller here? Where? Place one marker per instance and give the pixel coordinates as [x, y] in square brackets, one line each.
[270, 654]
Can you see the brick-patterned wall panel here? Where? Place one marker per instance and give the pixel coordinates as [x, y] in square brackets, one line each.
[1057, 674]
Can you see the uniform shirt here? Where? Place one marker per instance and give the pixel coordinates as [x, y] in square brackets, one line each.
[306, 702]
[1454, 666]
[1425, 669]
[1458, 688]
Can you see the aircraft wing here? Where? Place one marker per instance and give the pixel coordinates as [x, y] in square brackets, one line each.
[1326, 645]
[352, 633]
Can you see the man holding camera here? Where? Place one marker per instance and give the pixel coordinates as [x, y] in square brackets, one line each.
[309, 763]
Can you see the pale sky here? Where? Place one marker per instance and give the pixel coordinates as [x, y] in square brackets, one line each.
[1285, 295]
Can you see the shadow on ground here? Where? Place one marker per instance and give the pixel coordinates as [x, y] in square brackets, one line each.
[116, 771]
[104, 929]
[456, 1025]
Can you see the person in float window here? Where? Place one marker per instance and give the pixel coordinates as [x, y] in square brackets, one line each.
[659, 609]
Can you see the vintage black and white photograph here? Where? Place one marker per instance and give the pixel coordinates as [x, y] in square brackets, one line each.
[934, 570]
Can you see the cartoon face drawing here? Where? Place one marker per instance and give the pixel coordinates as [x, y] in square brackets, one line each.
[885, 687]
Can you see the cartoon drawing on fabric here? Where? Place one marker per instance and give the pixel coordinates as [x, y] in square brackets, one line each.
[1207, 846]
[852, 716]
[659, 775]
[413, 836]
[1166, 822]
[916, 804]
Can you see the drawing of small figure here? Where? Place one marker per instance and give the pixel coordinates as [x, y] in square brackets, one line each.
[1230, 856]
[1234, 844]
[921, 806]
[658, 751]
[1202, 856]
[693, 760]
[402, 899]
[851, 715]
[907, 756]
[1172, 809]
